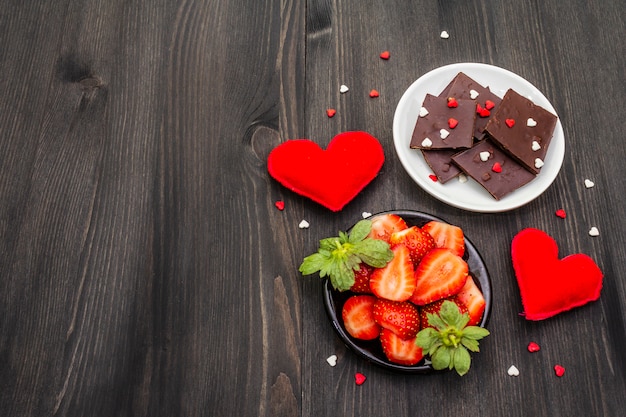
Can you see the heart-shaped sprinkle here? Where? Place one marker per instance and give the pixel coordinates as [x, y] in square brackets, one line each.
[594, 232]
[366, 214]
[280, 205]
[510, 122]
[385, 55]
[332, 360]
[331, 112]
[484, 156]
[533, 347]
[489, 104]
[535, 146]
[427, 143]
[496, 167]
[374, 94]
[589, 183]
[462, 178]
[538, 163]
[559, 370]
[443, 133]
[484, 113]
[452, 103]
[433, 177]
[473, 94]
[359, 378]
[560, 213]
[531, 122]
[304, 224]
[452, 123]
[444, 34]
[513, 371]
[343, 89]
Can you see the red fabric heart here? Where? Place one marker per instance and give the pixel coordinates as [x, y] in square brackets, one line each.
[331, 177]
[549, 285]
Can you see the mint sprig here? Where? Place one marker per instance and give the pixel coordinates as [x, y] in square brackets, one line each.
[451, 340]
[338, 257]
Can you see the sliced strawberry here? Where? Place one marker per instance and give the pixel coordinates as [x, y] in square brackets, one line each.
[384, 225]
[362, 280]
[396, 280]
[358, 317]
[441, 274]
[402, 318]
[435, 307]
[472, 298]
[446, 236]
[397, 350]
[418, 241]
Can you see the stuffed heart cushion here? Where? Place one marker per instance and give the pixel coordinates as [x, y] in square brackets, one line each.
[331, 177]
[549, 285]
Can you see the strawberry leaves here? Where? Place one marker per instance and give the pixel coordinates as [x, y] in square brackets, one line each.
[338, 257]
[450, 340]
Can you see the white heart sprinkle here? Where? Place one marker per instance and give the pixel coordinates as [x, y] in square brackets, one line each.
[462, 178]
[304, 224]
[484, 156]
[444, 35]
[589, 183]
[423, 112]
[594, 231]
[513, 371]
[332, 360]
[535, 146]
[366, 214]
[427, 143]
[531, 122]
[343, 89]
[443, 133]
[473, 94]
[538, 163]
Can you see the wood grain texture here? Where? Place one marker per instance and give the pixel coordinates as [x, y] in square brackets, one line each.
[144, 270]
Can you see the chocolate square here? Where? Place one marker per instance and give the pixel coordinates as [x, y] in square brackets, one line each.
[439, 160]
[528, 133]
[498, 184]
[431, 125]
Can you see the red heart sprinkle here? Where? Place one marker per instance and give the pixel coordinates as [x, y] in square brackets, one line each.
[484, 113]
[452, 123]
[489, 104]
[496, 167]
[433, 177]
[359, 378]
[510, 122]
[280, 205]
[533, 347]
[374, 94]
[331, 112]
[479, 108]
[452, 103]
[385, 55]
[560, 213]
[559, 370]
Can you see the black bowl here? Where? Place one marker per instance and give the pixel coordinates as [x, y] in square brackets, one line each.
[371, 350]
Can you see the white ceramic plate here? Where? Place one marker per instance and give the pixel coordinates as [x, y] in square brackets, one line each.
[471, 195]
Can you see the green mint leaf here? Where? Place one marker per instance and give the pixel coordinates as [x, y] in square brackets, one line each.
[373, 252]
[426, 338]
[461, 360]
[436, 321]
[312, 264]
[360, 231]
[470, 344]
[441, 358]
[450, 314]
[475, 332]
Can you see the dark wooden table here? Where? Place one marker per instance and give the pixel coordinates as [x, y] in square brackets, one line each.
[144, 270]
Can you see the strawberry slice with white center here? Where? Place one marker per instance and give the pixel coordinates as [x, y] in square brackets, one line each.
[395, 281]
[402, 318]
[397, 350]
[384, 225]
[418, 241]
[358, 317]
[472, 298]
[446, 236]
[440, 274]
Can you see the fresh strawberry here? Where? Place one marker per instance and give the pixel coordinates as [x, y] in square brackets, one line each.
[440, 274]
[418, 241]
[358, 317]
[384, 225]
[435, 307]
[362, 280]
[397, 350]
[395, 281]
[402, 318]
[473, 300]
[446, 236]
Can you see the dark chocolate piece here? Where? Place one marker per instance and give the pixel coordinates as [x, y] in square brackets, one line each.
[523, 129]
[429, 128]
[498, 184]
[439, 160]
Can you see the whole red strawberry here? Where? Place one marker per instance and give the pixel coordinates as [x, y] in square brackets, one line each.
[418, 241]
[362, 280]
[402, 318]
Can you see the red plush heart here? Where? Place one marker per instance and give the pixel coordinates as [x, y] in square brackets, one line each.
[549, 285]
[331, 177]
